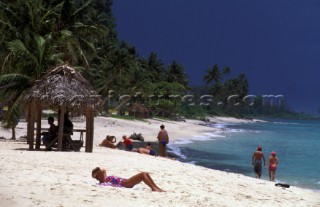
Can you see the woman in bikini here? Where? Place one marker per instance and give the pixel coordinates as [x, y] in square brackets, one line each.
[272, 162]
[101, 175]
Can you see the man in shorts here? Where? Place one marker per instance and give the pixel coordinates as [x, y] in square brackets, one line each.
[163, 139]
[257, 158]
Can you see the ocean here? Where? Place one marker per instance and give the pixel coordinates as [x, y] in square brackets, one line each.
[296, 143]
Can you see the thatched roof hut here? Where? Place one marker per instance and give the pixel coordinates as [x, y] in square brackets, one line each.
[62, 89]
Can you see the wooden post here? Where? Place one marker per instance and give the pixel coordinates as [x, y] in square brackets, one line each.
[61, 123]
[29, 123]
[89, 129]
[38, 132]
[31, 120]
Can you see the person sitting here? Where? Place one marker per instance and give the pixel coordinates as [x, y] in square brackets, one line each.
[67, 125]
[146, 150]
[108, 142]
[49, 136]
[101, 175]
[127, 143]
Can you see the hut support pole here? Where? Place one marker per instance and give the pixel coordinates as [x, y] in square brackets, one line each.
[38, 132]
[31, 125]
[61, 123]
[89, 129]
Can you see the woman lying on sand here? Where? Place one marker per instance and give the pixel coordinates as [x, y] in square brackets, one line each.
[101, 175]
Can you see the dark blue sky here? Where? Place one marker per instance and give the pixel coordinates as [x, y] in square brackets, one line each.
[276, 43]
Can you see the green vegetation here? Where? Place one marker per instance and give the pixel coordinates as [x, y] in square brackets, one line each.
[40, 34]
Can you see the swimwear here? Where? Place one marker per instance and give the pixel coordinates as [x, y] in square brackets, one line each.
[114, 181]
[272, 167]
[163, 142]
[257, 167]
[152, 152]
[130, 147]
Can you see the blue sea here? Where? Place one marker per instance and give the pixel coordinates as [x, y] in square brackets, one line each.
[296, 143]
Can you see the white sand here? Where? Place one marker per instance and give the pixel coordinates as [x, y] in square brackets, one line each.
[41, 178]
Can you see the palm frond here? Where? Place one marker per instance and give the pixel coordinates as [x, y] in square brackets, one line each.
[13, 77]
[17, 47]
[83, 7]
[89, 29]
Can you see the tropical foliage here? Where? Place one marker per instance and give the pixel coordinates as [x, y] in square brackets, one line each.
[40, 34]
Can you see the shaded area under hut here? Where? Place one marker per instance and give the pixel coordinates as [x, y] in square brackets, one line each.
[65, 90]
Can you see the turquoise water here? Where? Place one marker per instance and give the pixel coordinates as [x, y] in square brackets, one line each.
[296, 142]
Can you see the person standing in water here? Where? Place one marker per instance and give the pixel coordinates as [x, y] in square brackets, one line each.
[257, 158]
[272, 162]
[163, 139]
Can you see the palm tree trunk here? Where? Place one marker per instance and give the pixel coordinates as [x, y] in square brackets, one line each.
[13, 128]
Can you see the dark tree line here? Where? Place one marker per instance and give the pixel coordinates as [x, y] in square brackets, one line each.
[37, 35]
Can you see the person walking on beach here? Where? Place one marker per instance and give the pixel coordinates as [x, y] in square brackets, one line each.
[257, 158]
[101, 175]
[272, 162]
[163, 139]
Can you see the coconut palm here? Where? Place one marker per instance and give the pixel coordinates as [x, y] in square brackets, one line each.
[176, 74]
[39, 34]
[12, 87]
[213, 75]
[155, 68]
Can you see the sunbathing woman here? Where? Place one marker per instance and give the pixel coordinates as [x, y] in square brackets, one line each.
[101, 175]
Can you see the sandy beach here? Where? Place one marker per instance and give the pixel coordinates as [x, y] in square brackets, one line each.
[51, 178]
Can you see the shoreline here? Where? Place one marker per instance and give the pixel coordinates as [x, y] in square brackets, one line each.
[50, 178]
[195, 158]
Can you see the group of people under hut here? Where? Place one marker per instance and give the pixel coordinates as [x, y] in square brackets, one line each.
[49, 136]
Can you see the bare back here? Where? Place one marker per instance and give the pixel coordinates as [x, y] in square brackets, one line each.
[163, 135]
[258, 155]
[273, 160]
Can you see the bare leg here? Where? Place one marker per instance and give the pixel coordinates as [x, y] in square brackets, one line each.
[273, 174]
[138, 178]
[270, 175]
[257, 176]
[161, 150]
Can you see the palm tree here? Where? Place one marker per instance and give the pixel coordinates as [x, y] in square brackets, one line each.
[39, 34]
[155, 67]
[176, 74]
[213, 75]
[12, 87]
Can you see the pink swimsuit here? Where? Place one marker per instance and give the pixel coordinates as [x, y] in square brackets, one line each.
[272, 167]
[113, 181]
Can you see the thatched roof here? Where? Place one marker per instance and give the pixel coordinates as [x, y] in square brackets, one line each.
[63, 86]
